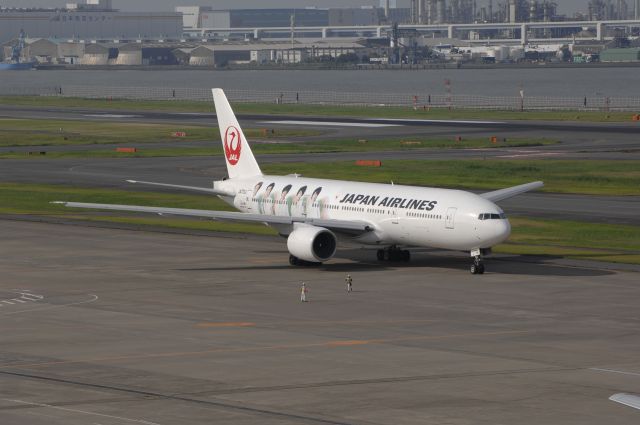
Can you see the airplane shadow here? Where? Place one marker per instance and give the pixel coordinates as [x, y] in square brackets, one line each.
[506, 265]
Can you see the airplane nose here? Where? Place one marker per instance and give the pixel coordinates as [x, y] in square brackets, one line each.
[502, 229]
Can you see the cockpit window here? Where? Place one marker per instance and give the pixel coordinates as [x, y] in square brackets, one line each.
[492, 216]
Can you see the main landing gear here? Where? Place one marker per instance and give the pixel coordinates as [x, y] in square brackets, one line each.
[393, 254]
[477, 267]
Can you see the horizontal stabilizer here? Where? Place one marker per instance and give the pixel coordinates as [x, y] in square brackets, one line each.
[177, 186]
[499, 195]
[338, 225]
[626, 399]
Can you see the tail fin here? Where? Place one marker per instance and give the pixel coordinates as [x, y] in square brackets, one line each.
[240, 159]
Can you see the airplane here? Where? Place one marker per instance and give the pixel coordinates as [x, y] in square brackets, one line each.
[312, 214]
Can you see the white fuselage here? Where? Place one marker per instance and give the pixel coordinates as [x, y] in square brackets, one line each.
[399, 215]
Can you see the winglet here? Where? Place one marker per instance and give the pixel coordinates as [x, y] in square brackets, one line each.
[499, 195]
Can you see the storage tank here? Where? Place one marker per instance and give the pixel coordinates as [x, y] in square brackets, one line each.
[129, 54]
[502, 53]
[95, 54]
[516, 54]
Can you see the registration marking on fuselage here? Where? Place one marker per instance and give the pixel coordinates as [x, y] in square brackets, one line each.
[332, 123]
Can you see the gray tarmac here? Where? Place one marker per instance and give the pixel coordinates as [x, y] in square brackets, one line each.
[110, 327]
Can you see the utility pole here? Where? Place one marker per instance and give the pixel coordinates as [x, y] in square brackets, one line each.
[293, 28]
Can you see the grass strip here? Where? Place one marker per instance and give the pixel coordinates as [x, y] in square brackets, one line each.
[560, 176]
[573, 239]
[261, 147]
[320, 110]
[35, 132]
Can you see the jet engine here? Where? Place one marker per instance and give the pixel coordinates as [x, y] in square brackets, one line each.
[311, 243]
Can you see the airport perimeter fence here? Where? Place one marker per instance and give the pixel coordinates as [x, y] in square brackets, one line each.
[381, 99]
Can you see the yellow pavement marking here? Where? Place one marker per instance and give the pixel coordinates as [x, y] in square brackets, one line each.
[326, 344]
[347, 343]
[224, 324]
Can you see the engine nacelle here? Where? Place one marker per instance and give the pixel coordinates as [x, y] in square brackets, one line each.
[311, 243]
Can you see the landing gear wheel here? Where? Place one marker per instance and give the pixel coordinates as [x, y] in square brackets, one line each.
[478, 266]
[393, 254]
[406, 256]
[293, 260]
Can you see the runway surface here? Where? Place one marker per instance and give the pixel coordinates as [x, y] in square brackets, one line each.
[594, 141]
[201, 171]
[114, 327]
[579, 140]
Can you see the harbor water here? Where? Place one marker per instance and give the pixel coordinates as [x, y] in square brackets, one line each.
[542, 81]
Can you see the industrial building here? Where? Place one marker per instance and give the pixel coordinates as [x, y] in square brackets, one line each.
[94, 19]
[631, 54]
[196, 17]
[179, 52]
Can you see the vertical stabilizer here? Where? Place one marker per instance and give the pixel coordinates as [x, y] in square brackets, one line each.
[237, 153]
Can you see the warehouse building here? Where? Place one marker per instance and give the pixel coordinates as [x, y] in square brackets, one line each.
[94, 20]
[195, 17]
[630, 54]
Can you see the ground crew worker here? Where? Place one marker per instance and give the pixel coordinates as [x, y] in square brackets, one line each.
[349, 283]
[303, 293]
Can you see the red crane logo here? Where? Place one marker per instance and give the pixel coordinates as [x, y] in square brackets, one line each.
[232, 145]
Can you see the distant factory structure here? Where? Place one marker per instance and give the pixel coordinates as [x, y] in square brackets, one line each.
[197, 17]
[94, 33]
[91, 19]
[468, 11]
[610, 10]
[43, 51]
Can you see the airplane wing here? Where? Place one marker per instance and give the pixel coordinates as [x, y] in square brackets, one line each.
[626, 399]
[351, 226]
[499, 195]
[177, 186]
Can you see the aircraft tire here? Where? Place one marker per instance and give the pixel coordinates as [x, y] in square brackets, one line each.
[474, 269]
[481, 269]
[293, 260]
[380, 255]
[406, 256]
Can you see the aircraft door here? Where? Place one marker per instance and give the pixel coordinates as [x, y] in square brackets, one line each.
[243, 201]
[450, 217]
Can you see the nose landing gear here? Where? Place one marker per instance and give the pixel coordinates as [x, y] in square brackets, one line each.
[477, 267]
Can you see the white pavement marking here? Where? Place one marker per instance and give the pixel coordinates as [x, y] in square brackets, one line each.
[84, 412]
[331, 124]
[31, 297]
[438, 121]
[615, 371]
[93, 299]
[25, 297]
[111, 116]
[529, 154]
